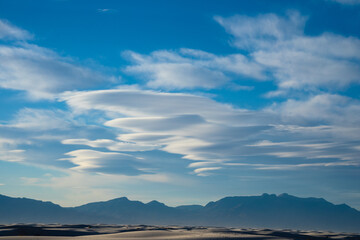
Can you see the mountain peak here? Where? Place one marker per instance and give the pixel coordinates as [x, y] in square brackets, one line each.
[124, 199]
[284, 195]
[268, 195]
[155, 203]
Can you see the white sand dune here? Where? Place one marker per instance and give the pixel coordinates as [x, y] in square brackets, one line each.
[114, 232]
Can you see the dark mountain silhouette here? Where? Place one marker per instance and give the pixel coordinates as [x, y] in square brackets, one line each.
[131, 212]
[25, 210]
[265, 211]
[284, 211]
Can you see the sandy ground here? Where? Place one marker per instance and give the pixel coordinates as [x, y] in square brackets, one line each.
[109, 232]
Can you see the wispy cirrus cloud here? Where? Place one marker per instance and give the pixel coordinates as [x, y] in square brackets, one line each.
[11, 32]
[262, 31]
[42, 73]
[32, 119]
[38, 71]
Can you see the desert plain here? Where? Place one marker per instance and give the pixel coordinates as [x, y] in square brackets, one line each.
[137, 232]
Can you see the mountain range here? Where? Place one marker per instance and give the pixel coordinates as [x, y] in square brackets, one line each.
[266, 211]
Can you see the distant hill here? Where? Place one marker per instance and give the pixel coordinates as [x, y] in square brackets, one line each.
[283, 211]
[265, 211]
[25, 210]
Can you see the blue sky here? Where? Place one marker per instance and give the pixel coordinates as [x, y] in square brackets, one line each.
[179, 101]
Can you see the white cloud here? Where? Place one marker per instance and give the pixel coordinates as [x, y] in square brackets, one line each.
[10, 32]
[111, 145]
[159, 124]
[262, 31]
[201, 164]
[328, 45]
[297, 166]
[322, 109]
[33, 136]
[42, 73]
[302, 70]
[107, 162]
[139, 103]
[321, 127]
[12, 155]
[190, 69]
[41, 119]
[183, 124]
[9, 151]
[180, 123]
[296, 61]
[266, 143]
[204, 171]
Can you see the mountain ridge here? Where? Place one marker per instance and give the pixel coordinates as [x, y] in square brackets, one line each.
[264, 211]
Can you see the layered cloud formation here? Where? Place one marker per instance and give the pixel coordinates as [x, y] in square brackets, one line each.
[188, 125]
